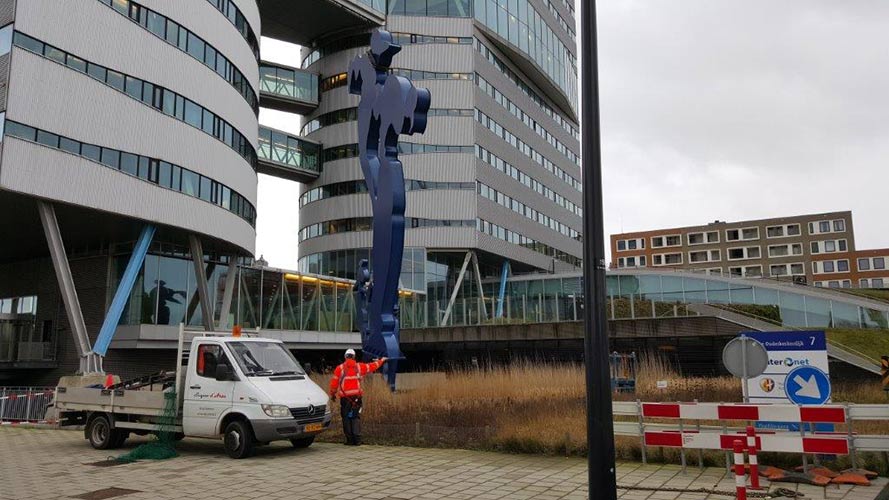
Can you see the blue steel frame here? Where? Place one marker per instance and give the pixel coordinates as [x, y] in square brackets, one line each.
[504, 273]
[123, 290]
[390, 105]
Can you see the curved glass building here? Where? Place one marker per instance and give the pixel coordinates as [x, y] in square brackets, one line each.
[493, 185]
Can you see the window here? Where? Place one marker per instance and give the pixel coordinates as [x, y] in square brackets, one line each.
[843, 266]
[129, 163]
[672, 240]
[782, 231]
[841, 244]
[48, 139]
[702, 256]
[703, 237]
[879, 263]
[839, 226]
[778, 270]
[667, 259]
[794, 269]
[621, 245]
[830, 246]
[69, 146]
[785, 250]
[815, 247]
[115, 80]
[824, 227]
[741, 253]
[827, 266]
[743, 234]
[746, 271]
[864, 264]
[209, 357]
[76, 63]
[877, 283]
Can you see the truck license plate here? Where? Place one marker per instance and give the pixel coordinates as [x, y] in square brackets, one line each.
[314, 427]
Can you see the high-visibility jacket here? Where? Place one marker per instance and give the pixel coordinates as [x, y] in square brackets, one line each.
[346, 380]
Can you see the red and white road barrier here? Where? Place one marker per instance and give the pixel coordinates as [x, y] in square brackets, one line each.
[783, 442]
[718, 411]
[740, 478]
[751, 456]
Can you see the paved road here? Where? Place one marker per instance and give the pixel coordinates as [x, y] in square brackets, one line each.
[50, 464]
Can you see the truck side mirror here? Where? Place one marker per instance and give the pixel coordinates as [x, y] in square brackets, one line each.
[223, 372]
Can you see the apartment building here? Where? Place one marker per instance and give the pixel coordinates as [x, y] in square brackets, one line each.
[816, 249]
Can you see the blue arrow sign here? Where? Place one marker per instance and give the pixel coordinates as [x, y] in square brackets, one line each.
[807, 385]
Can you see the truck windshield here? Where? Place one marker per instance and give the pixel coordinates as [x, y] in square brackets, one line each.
[265, 358]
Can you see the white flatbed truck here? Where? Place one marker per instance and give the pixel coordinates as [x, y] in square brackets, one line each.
[245, 390]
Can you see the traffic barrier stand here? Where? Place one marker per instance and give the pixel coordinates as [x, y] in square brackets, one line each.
[751, 454]
[740, 476]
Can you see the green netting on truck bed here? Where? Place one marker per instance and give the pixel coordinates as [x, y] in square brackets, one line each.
[161, 447]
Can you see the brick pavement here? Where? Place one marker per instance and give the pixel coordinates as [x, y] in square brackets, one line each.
[49, 464]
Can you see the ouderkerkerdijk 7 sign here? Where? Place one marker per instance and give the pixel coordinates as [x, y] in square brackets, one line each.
[789, 351]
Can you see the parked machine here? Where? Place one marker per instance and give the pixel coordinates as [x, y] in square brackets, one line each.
[245, 390]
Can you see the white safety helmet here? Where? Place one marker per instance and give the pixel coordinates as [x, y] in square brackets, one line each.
[350, 353]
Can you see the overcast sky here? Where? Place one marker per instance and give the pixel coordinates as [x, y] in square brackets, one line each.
[714, 109]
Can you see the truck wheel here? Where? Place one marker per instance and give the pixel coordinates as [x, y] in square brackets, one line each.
[238, 439]
[302, 442]
[100, 434]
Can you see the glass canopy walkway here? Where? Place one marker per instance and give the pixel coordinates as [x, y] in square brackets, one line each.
[267, 298]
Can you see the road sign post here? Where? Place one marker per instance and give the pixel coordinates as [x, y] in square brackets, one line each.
[745, 357]
[602, 474]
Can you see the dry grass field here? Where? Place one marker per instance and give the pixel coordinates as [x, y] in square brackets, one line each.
[531, 407]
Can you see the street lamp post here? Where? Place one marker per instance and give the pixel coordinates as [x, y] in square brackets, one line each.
[600, 422]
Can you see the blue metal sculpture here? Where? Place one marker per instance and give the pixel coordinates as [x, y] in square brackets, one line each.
[390, 105]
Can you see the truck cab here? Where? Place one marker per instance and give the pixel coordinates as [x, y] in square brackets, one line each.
[249, 391]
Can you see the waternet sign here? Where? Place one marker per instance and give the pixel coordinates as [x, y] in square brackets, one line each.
[796, 354]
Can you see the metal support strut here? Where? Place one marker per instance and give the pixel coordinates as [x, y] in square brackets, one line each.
[197, 258]
[124, 288]
[88, 360]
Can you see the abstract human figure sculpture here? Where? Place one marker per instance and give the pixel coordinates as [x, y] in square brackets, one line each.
[390, 105]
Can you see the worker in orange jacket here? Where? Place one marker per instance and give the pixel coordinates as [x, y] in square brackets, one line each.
[346, 384]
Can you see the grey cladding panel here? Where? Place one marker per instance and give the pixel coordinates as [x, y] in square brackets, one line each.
[4, 80]
[7, 12]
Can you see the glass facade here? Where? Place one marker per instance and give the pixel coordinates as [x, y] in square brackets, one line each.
[365, 224]
[354, 187]
[289, 83]
[288, 150]
[431, 8]
[518, 22]
[166, 294]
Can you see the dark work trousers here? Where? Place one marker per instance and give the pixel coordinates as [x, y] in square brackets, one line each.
[350, 411]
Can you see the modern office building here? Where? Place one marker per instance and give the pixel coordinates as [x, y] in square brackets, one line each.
[815, 249]
[129, 128]
[494, 181]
